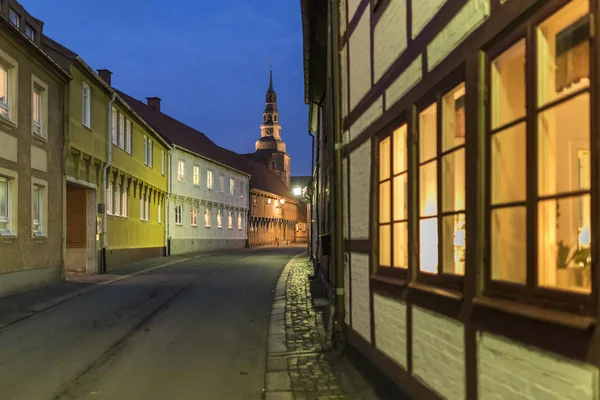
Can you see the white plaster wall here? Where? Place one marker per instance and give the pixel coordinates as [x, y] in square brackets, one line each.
[438, 353]
[344, 80]
[389, 37]
[189, 195]
[404, 82]
[359, 47]
[464, 22]
[390, 327]
[345, 197]
[422, 12]
[367, 118]
[347, 293]
[352, 6]
[361, 312]
[509, 370]
[360, 176]
[343, 22]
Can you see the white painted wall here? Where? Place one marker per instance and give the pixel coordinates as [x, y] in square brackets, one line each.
[187, 238]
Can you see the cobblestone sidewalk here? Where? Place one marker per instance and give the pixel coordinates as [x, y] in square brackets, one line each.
[297, 365]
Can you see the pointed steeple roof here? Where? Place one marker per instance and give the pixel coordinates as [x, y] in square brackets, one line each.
[271, 90]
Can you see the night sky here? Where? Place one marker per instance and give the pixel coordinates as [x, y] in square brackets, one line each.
[207, 60]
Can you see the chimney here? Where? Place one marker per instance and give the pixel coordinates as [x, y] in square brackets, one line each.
[154, 103]
[105, 75]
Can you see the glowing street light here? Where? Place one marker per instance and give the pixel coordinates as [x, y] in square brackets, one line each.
[297, 191]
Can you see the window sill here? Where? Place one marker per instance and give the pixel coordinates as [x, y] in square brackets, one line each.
[176, 224]
[8, 122]
[8, 235]
[194, 226]
[39, 236]
[388, 286]
[444, 301]
[571, 334]
[39, 137]
[89, 128]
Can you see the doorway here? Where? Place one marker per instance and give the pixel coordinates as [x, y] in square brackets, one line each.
[81, 230]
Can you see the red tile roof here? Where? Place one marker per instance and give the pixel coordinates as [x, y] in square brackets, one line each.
[180, 134]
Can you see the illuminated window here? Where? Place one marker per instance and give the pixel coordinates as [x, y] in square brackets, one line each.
[209, 179]
[159, 211]
[36, 111]
[4, 91]
[124, 203]
[230, 220]
[231, 187]
[239, 221]
[109, 198]
[219, 219]
[196, 175]
[221, 183]
[393, 200]
[117, 200]
[562, 208]
[194, 216]
[181, 171]
[428, 203]
[207, 218]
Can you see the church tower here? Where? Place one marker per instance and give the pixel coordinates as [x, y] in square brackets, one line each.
[270, 149]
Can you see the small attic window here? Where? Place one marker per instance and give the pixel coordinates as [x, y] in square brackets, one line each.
[30, 32]
[14, 17]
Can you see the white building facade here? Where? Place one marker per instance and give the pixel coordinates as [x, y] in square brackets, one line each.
[208, 204]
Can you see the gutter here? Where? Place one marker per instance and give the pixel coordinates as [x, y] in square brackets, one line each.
[105, 181]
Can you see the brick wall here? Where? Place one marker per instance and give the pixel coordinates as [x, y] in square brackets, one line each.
[389, 37]
[360, 62]
[367, 118]
[509, 370]
[468, 18]
[360, 173]
[361, 313]
[406, 80]
[422, 12]
[438, 353]
[390, 328]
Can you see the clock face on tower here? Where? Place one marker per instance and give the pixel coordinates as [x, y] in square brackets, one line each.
[269, 131]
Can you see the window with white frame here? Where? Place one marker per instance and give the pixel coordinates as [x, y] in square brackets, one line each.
[4, 92]
[221, 183]
[128, 129]
[207, 218]
[178, 210]
[86, 106]
[180, 170]
[30, 32]
[114, 123]
[14, 17]
[147, 207]
[8, 87]
[38, 201]
[231, 187]
[150, 152]
[241, 188]
[159, 210]
[196, 175]
[36, 111]
[117, 200]
[121, 143]
[209, 179]
[162, 162]
[219, 219]
[124, 203]
[239, 221]
[109, 198]
[194, 216]
[230, 220]
[142, 207]
[5, 205]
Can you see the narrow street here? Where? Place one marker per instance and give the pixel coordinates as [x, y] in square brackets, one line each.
[194, 330]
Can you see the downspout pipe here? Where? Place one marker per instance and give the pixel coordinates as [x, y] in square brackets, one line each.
[105, 181]
[168, 204]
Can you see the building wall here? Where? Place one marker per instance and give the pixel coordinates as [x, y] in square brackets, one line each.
[269, 222]
[133, 237]
[436, 339]
[30, 260]
[185, 237]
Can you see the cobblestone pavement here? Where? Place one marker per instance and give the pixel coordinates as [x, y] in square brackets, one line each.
[312, 373]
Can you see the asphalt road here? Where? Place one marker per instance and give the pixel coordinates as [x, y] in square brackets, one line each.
[195, 330]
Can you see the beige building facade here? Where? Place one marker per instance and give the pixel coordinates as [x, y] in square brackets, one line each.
[32, 186]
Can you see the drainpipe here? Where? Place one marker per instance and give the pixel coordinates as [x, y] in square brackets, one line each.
[338, 185]
[105, 181]
[168, 204]
[310, 217]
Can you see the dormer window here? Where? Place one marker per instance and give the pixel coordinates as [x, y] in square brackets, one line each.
[14, 17]
[30, 32]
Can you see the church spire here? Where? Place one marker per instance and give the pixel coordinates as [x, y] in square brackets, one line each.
[271, 78]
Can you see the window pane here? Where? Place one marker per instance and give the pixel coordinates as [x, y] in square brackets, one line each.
[428, 133]
[35, 111]
[400, 153]
[564, 252]
[508, 165]
[453, 181]
[509, 244]
[453, 114]
[563, 52]
[384, 201]
[508, 85]
[36, 206]
[429, 245]
[384, 159]
[428, 189]
[385, 249]
[3, 199]
[401, 245]
[3, 85]
[564, 147]
[400, 197]
[454, 244]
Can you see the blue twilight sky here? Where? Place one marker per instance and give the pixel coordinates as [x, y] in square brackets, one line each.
[207, 60]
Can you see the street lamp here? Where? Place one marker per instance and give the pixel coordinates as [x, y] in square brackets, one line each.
[297, 191]
[281, 201]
